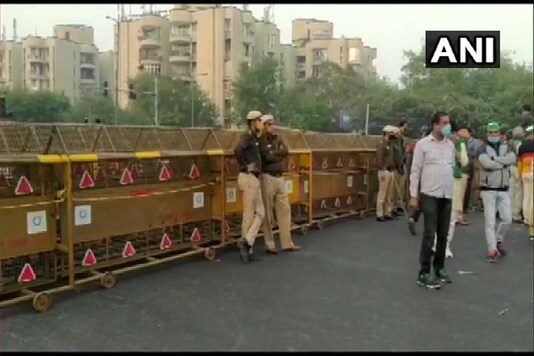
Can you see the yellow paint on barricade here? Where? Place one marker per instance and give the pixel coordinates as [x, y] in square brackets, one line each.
[148, 155]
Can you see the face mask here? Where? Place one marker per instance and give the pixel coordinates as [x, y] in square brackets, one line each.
[493, 139]
[446, 130]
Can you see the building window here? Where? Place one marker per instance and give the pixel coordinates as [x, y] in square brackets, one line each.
[353, 54]
[341, 55]
[227, 24]
[316, 72]
[227, 50]
[271, 40]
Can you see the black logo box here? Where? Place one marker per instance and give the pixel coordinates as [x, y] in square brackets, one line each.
[432, 38]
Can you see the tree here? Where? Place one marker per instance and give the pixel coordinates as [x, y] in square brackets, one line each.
[93, 108]
[258, 88]
[39, 106]
[177, 100]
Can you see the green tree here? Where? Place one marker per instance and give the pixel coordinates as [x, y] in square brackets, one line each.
[258, 88]
[39, 106]
[93, 108]
[177, 100]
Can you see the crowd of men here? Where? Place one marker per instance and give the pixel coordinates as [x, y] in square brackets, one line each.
[441, 168]
[261, 154]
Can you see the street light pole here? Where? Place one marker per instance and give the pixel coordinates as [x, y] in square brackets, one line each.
[156, 119]
[192, 77]
[116, 91]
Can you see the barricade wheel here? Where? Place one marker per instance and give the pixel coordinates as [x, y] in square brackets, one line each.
[319, 225]
[210, 254]
[108, 280]
[42, 302]
[304, 230]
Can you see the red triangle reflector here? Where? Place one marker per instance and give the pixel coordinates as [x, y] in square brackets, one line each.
[226, 226]
[27, 274]
[337, 204]
[291, 165]
[323, 204]
[87, 181]
[339, 163]
[23, 187]
[349, 200]
[164, 174]
[194, 173]
[324, 165]
[166, 242]
[89, 259]
[128, 250]
[196, 236]
[4, 182]
[226, 167]
[126, 178]
[351, 163]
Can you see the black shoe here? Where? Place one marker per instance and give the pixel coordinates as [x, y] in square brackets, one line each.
[428, 281]
[500, 249]
[411, 226]
[381, 219]
[443, 276]
[244, 253]
[389, 217]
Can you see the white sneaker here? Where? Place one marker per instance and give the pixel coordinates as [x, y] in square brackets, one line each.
[448, 253]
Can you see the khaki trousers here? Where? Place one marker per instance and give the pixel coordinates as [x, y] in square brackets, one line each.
[399, 194]
[275, 196]
[528, 191]
[253, 210]
[516, 192]
[386, 190]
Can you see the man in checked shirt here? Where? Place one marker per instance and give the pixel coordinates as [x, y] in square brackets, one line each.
[431, 190]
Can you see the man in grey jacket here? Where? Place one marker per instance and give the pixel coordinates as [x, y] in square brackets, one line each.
[495, 159]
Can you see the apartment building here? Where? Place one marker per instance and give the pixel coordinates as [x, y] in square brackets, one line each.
[64, 63]
[206, 43]
[10, 65]
[315, 44]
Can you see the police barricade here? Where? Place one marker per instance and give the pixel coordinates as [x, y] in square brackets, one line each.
[338, 179]
[297, 183]
[148, 202]
[29, 182]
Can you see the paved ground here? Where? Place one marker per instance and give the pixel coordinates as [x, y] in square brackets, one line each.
[351, 288]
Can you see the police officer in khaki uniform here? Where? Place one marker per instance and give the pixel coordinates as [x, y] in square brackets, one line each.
[247, 153]
[274, 152]
[387, 160]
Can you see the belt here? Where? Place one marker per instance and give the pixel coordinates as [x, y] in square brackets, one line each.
[254, 174]
[274, 174]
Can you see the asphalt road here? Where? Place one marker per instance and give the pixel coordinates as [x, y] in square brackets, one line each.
[351, 288]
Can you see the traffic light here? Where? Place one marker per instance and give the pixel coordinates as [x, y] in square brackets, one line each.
[105, 91]
[131, 93]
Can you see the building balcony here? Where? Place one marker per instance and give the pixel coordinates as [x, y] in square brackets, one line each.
[319, 60]
[87, 80]
[178, 37]
[177, 57]
[38, 75]
[36, 58]
[87, 65]
[150, 60]
[149, 42]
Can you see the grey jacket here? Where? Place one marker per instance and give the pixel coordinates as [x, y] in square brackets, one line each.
[495, 172]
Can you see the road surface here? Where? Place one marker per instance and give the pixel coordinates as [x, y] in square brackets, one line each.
[352, 287]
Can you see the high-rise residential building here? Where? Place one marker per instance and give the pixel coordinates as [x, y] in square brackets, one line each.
[64, 63]
[315, 44]
[10, 65]
[209, 43]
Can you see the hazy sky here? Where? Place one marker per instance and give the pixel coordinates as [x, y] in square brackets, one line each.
[390, 28]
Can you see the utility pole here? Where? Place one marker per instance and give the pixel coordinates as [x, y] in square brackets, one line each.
[117, 48]
[367, 121]
[156, 120]
[192, 77]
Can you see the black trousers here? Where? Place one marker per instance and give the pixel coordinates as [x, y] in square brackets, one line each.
[467, 195]
[437, 216]
[416, 214]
